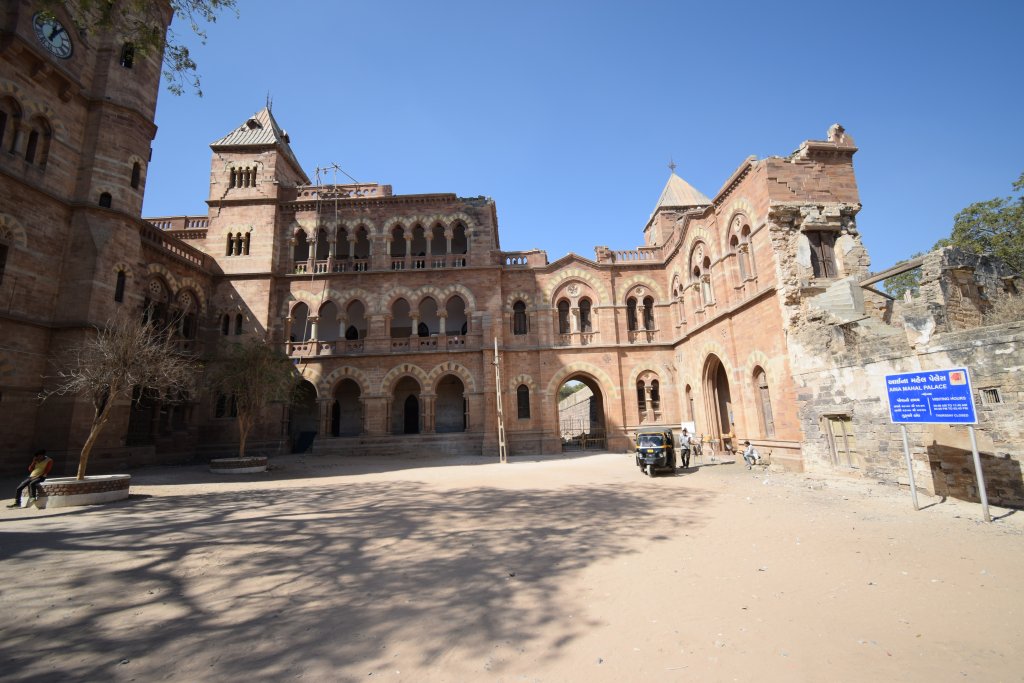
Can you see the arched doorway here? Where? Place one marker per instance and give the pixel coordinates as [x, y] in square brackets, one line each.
[347, 410]
[405, 407]
[581, 423]
[718, 402]
[303, 419]
[450, 407]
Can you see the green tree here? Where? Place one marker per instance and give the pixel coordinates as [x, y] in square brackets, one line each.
[254, 375]
[141, 22]
[907, 281]
[995, 226]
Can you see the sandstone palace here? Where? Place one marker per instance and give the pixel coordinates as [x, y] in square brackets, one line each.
[749, 312]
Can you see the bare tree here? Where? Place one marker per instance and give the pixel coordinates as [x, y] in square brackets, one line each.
[253, 375]
[126, 356]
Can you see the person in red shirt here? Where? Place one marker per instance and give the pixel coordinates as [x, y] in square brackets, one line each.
[37, 471]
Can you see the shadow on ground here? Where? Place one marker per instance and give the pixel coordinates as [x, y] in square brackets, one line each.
[268, 582]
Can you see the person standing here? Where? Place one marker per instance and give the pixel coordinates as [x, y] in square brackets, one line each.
[37, 470]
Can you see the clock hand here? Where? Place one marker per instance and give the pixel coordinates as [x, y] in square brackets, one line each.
[54, 33]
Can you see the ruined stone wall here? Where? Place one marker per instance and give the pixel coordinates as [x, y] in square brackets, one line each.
[958, 288]
[842, 399]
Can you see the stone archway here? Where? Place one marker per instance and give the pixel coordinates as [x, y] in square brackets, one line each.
[718, 401]
[406, 411]
[580, 414]
[450, 406]
[347, 409]
[303, 419]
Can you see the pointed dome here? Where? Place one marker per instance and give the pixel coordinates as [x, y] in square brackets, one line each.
[261, 130]
[679, 193]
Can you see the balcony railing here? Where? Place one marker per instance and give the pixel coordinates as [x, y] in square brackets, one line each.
[643, 336]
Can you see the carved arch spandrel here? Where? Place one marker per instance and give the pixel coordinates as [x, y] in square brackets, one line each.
[12, 231]
[387, 384]
[329, 383]
[602, 378]
[451, 368]
[599, 288]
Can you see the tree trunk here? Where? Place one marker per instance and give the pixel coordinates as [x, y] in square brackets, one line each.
[94, 433]
[244, 427]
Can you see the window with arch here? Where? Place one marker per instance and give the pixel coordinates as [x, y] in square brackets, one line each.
[397, 245]
[119, 287]
[655, 395]
[3, 260]
[641, 399]
[677, 300]
[136, 175]
[747, 252]
[586, 317]
[649, 313]
[706, 292]
[519, 325]
[523, 402]
[225, 324]
[300, 252]
[226, 406]
[106, 200]
[631, 321]
[323, 245]
[37, 145]
[10, 115]
[239, 324]
[739, 246]
[563, 317]
[764, 403]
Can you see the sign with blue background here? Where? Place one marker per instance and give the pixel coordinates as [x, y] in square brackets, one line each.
[932, 397]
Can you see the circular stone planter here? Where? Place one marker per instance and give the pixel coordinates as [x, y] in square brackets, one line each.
[238, 465]
[62, 492]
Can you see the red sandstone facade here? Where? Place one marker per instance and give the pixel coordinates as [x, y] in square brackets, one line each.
[390, 305]
[749, 313]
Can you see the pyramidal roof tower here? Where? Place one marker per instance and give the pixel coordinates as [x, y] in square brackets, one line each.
[678, 196]
[260, 133]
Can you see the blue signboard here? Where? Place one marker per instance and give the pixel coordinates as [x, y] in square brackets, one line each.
[932, 397]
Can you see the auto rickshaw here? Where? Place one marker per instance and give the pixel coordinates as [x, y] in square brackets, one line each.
[655, 450]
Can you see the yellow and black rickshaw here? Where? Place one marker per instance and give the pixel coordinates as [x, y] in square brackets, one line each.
[655, 450]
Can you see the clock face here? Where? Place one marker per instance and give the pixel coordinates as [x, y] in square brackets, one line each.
[53, 36]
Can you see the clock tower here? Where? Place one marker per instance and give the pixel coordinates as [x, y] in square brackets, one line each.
[77, 108]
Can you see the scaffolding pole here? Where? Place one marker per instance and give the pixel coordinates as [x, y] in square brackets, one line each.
[502, 450]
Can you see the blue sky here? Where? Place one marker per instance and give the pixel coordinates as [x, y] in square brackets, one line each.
[567, 113]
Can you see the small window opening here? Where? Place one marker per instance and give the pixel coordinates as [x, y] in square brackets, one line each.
[225, 325]
[136, 175]
[127, 55]
[119, 287]
[239, 322]
[991, 395]
[30, 149]
[523, 402]
[105, 200]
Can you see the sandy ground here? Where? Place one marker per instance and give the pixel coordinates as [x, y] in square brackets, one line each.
[545, 569]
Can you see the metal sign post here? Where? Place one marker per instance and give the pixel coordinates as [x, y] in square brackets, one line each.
[935, 397]
[502, 450]
[910, 467]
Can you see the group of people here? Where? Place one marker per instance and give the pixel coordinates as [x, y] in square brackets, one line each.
[688, 444]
